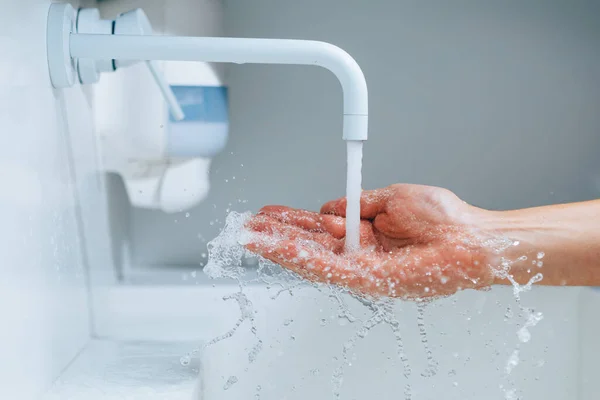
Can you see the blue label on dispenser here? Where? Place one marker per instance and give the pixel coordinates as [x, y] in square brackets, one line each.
[204, 130]
[202, 103]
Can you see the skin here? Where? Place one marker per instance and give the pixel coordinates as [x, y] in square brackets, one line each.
[421, 242]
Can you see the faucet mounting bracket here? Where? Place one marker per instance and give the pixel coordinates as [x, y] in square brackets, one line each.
[62, 67]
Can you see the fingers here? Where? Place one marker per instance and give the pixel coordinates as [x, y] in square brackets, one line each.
[372, 202]
[315, 223]
[312, 263]
[308, 220]
[268, 225]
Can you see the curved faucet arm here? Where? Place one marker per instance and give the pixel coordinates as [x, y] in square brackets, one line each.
[240, 51]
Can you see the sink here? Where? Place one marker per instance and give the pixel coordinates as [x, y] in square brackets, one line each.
[144, 330]
[112, 369]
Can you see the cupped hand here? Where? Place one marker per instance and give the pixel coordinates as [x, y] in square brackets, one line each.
[416, 242]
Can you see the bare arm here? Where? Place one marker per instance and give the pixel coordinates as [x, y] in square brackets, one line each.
[565, 237]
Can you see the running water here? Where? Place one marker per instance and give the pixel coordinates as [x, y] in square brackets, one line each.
[353, 189]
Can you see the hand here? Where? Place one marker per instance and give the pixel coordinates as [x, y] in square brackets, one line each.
[416, 242]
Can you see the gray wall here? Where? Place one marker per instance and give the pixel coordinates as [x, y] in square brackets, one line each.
[497, 101]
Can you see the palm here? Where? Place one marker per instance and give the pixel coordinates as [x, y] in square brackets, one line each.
[414, 243]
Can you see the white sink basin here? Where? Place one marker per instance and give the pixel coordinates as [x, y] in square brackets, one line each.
[118, 370]
[145, 330]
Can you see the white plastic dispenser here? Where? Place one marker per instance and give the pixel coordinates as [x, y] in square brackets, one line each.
[160, 140]
[164, 162]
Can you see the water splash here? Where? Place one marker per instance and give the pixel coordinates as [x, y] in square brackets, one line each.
[382, 312]
[257, 394]
[226, 253]
[432, 364]
[532, 318]
[226, 259]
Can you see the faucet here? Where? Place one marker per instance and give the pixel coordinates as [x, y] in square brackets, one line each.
[84, 53]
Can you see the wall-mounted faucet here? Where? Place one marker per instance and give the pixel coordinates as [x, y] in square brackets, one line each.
[70, 52]
[85, 53]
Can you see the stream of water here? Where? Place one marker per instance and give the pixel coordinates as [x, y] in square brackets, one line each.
[353, 190]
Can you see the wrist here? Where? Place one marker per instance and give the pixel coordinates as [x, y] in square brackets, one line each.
[511, 244]
[561, 242]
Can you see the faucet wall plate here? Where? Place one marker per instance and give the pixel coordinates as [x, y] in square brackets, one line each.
[61, 23]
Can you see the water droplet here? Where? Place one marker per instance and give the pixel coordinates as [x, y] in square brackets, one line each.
[230, 382]
[323, 322]
[187, 214]
[508, 315]
[524, 335]
[540, 363]
[512, 362]
[287, 322]
[510, 394]
[540, 255]
[185, 360]
[257, 394]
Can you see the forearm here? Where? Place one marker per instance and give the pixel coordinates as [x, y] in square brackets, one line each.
[562, 242]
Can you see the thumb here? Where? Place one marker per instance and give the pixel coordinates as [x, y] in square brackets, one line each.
[372, 203]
